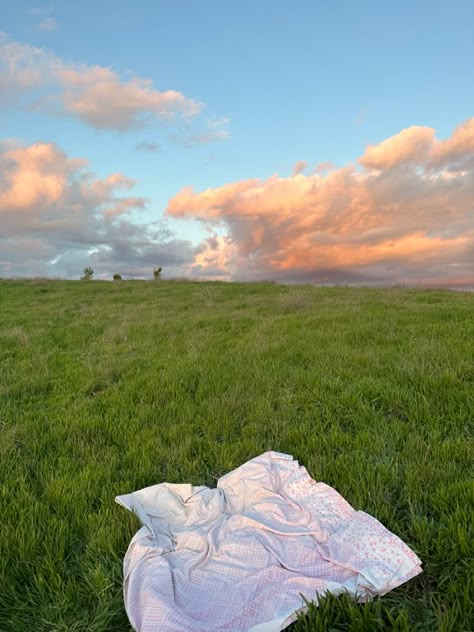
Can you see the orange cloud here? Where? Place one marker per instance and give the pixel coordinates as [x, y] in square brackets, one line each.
[418, 145]
[38, 178]
[98, 97]
[406, 216]
[93, 94]
[411, 145]
[457, 148]
[299, 167]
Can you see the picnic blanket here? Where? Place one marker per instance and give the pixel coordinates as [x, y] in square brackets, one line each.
[240, 557]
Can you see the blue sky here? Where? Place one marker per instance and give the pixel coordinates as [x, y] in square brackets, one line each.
[287, 81]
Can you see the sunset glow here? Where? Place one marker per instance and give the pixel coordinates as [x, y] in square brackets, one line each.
[129, 162]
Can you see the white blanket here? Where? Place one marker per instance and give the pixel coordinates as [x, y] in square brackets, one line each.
[239, 557]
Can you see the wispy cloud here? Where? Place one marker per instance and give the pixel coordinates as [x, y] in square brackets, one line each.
[41, 10]
[48, 24]
[148, 146]
[404, 214]
[363, 114]
[299, 167]
[47, 21]
[217, 129]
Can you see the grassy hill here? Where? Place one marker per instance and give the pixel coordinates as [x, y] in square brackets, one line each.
[109, 387]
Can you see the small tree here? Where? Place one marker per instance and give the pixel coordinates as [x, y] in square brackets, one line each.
[117, 277]
[88, 274]
[157, 273]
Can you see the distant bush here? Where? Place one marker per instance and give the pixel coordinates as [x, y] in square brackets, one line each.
[88, 274]
[157, 273]
[117, 277]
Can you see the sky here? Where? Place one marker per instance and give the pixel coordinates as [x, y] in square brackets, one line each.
[300, 142]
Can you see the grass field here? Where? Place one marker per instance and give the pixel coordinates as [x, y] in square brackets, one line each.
[109, 387]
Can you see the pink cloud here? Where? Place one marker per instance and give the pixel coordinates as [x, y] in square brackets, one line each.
[96, 95]
[379, 224]
[418, 145]
[457, 148]
[33, 177]
[411, 145]
[299, 167]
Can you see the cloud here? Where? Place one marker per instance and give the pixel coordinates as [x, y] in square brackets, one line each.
[148, 146]
[418, 146]
[411, 145]
[217, 129]
[56, 217]
[456, 151]
[41, 10]
[299, 167]
[404, 215]
[363, 114]
[48, 24]
[95, 95]
[323, 167]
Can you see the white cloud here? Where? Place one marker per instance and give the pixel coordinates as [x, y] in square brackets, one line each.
[217, 129]
[48, 24]
[41, 10]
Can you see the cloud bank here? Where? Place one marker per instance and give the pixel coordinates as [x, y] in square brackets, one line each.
[404, 213]
[56, 217]
[97, 96]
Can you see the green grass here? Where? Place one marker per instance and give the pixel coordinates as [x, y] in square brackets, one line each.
[109, 387]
